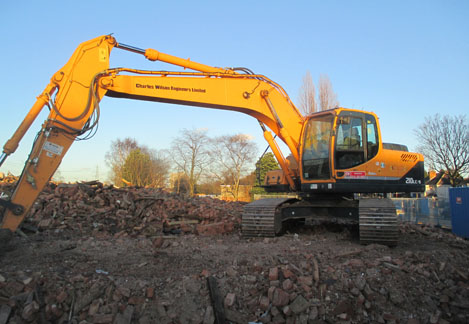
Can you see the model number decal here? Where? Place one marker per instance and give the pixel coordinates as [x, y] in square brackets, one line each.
[412, 181]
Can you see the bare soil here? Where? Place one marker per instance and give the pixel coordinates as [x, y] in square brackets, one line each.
[163, 280]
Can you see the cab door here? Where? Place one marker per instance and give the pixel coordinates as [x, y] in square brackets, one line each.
[356, 140]
[316, 155]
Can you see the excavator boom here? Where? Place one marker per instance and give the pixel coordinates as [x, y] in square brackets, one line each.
[74, 93]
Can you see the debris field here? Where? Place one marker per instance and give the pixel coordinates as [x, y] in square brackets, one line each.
[90, 253]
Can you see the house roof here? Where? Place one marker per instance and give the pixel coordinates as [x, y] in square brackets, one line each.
[440, 179]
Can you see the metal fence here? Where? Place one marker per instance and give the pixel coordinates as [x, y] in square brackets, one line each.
[424, 211]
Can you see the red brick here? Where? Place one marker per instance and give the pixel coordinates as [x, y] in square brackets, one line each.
[103, 318]
[150, 292]
[305, 280]
[287, 284]
[230, 300]
[356, 263]
[211, 229]
[280, 298]
[61, 296]
[205, 273]
[264, 303]
[136, 300]
[287, 273]
[273, 274]
[124, 291]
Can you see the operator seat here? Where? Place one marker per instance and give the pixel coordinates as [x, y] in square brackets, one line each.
[353, 141]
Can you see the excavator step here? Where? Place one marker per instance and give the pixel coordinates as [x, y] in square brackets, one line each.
[378, 222]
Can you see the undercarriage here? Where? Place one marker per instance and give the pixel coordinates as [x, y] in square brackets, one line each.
[376, 218]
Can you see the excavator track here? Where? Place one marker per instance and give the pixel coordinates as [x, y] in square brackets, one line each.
[261, 218]
[378, 222]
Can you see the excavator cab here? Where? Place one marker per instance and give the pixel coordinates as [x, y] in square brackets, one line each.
[342, 152]
[338, 139]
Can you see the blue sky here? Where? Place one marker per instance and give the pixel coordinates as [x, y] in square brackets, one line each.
[404, 60]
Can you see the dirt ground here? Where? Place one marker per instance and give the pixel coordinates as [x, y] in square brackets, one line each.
[311, 274]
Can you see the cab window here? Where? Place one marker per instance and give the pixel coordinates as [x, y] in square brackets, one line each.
[349, 142]
[372, 139]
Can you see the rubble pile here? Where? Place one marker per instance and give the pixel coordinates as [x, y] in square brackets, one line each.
[109, 211]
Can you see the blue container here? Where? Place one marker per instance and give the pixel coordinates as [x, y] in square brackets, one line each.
[459, 202]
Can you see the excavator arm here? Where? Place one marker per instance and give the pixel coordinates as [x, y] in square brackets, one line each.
[74, 93]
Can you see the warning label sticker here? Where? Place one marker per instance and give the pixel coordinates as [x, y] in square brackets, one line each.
[53, 148]
[355, 174]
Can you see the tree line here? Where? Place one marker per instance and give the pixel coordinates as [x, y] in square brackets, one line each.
[194, 163]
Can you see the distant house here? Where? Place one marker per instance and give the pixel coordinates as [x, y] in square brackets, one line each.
[464, 183]
[438, 185]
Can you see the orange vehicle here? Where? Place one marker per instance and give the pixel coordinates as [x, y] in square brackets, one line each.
[334, 154]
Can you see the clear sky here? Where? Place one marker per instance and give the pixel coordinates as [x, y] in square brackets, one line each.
[403, 60]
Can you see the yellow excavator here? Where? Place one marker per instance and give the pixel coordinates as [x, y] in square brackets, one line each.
[337, 161]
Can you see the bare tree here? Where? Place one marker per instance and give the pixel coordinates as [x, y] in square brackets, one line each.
[308, 102]
[232, 156]
[189, 153]
[307, 97]
[159, 168]
[444, 141]
[179, 183]
[327, 97]
[57, 177]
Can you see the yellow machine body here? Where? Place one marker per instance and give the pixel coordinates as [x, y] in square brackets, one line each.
[74, 92]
